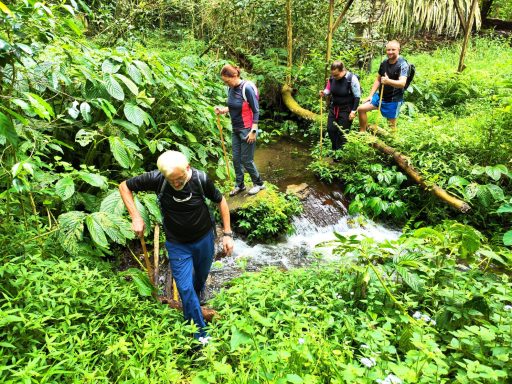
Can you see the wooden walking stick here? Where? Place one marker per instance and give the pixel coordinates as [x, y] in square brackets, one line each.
[321, 123]
[156, 254]
[219, 125]
[146, 259]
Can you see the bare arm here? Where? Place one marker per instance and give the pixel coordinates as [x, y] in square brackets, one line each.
[227, 241]
[138, 225]
[400, 83]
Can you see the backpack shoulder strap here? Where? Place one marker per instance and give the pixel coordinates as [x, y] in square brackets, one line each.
[244, 86]
[349, 76]
[201, 177]
[162, 188]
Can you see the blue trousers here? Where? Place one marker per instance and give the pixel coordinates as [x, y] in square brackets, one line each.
[190, 264]
[243, 157]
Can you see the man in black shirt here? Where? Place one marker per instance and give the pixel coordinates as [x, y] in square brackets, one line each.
[393, 75]
[189, 230]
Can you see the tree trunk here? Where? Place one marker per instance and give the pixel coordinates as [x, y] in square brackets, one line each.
[340, 17]
[329, 39]
[289, 42]
[294, 107]
[468, 28]
[486, 8]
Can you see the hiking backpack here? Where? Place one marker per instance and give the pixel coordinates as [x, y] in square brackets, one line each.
[350, 76]
[244, 84]
[410, 75]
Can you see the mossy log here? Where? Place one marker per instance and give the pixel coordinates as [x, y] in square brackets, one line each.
[403, 163]
[293, 106]
[400, 159]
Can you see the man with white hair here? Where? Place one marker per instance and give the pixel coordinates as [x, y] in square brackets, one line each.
[189, 229]
[392, 75]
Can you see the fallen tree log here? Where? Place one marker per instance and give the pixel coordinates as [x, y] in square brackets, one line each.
[293, 106]
[403, 163]
[400, 159]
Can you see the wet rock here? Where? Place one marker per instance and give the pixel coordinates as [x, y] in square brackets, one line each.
[301, 190]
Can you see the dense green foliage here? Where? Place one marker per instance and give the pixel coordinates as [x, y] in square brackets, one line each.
[92, 91]
[268, 215]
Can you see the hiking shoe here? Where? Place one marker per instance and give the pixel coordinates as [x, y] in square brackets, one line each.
[254, 190]
[236, 191]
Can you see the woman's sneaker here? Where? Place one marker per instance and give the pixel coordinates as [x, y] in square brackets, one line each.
[236, 191]
[254, 190]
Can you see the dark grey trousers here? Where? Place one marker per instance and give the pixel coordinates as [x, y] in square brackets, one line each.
[243, 158]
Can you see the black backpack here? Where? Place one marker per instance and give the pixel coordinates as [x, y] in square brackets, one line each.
[410, 75]
[350, 76]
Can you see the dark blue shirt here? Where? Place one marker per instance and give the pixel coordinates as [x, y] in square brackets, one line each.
[186, 217]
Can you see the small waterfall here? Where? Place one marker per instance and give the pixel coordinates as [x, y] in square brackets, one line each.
[323, 215]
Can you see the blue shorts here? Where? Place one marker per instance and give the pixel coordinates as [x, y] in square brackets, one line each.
[388, 109]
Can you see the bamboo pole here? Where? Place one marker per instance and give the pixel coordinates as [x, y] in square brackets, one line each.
[469, 27]
[329, 39]
[460, 15]
[340, 17]
[156, 254]
[289, 42]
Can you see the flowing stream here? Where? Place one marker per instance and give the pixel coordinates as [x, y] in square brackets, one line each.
[283, 163]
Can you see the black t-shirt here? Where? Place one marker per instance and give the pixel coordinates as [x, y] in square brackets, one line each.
[394, 71]
[186, 217]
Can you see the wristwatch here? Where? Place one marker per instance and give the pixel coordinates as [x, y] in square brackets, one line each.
[254, 131]
[229, 234]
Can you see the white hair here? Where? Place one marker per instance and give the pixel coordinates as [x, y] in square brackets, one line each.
[169, 161]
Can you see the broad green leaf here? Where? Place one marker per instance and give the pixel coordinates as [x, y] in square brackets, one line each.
[94, 179]
[71, 228]
[109, 67]
[144, 68]
[120, 152]
[457, 180]
[84, 137]
[294, 379]
[85, 110]
[507, 238]
[16, 115]
[40, 106]
[177, 130]
[113, 87]
[505, 208]
[190, 137]
[113, 203]
[94, 225]
[74, 26]
[65, 188]
[68, 8]
[7, 130]
[129, 127]
[6, 10]
[134, 114]
[134, 73]
[238, 338]
[129, 84]
[150, 200]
